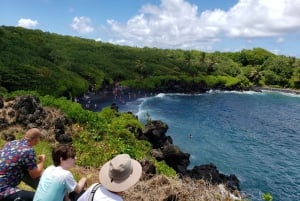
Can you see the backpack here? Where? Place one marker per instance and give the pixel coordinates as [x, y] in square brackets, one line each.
[94, 189]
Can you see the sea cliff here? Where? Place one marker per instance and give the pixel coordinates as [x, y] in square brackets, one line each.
[23, 112]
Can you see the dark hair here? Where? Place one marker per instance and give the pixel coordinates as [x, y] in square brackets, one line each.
[62, 151]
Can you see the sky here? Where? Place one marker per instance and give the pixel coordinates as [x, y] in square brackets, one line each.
[205, 25]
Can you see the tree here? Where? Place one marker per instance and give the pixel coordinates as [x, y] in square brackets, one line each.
[140, 68]
[281, 67]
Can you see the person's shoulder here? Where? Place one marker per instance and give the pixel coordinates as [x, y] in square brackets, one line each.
[111, 195]
[20, 145]
[50, 167]
[87, 193]
[60, 169]
[23, 144]
[92, 186]
[14, 143]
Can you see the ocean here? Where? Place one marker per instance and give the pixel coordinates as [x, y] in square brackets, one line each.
[254, 135]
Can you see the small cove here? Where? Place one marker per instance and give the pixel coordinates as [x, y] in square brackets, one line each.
[255, 136]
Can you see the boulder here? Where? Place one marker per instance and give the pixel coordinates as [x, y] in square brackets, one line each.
[175, 158]
[210, 173]
[163, 149]
[155, 133]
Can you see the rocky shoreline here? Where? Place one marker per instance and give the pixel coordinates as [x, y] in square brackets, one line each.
[164, 149]
[119, 95]
[155, 132]
[23, 112]
[284, 90]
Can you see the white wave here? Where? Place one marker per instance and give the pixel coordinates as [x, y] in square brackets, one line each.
[192, 157]
[233, 92]
[290, 94]
[263, 92]
[141, 112]
[211, 91]
[160, 95]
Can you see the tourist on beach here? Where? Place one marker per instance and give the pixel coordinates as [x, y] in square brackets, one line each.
[18, 163]
[116, 176]
[57, 181]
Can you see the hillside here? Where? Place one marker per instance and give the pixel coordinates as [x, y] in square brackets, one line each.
[56, 68]
[69, 66]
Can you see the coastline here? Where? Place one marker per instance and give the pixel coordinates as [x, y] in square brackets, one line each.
[284, 90]
[95, 101]
[109, 98]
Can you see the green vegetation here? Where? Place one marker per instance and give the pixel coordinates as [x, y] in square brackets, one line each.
[97, 136]
[102, 135]
[44, 148]
[56, 68]
[57, 65]
[267, 197]
[60, 67]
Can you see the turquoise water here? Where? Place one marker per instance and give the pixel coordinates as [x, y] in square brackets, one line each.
[255, 136]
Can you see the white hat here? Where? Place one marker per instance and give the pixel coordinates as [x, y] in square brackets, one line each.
[120, 173]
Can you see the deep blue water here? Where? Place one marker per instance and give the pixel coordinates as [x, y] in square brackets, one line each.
[255, 136]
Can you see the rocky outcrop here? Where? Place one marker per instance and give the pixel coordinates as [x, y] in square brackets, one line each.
[164, 149]
[210, 173]
[24, 112]
[154, 132]
[149, 169]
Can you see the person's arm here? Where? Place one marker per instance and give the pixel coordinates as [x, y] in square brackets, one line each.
[80, 185]
[37, 172]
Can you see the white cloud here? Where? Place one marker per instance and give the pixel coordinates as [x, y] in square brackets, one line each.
[82, 25]
[27, 23]
[262, 18]
[179, 24]
[174, 23]
[280, 40]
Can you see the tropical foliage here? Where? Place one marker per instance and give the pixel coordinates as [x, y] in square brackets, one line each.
[68, 66]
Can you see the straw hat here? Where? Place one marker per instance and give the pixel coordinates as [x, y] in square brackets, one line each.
[120, 173]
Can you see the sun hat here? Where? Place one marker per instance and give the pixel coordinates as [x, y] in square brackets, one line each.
[120, 173]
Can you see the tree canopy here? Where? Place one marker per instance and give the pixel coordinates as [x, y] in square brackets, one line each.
[68, 66]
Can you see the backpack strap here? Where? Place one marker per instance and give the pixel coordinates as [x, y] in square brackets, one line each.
[94, 189]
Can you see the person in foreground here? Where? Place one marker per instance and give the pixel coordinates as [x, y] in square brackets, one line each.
[116, 176]
[57, 181]
[18, 163]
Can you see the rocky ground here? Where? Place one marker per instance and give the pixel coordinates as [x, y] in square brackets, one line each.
[203, 182]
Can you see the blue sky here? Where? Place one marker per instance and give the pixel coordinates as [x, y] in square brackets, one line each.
[206, 25]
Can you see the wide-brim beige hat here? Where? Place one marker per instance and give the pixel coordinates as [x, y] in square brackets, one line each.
[120, 173]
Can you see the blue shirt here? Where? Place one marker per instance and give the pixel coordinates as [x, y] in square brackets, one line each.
[54, 184]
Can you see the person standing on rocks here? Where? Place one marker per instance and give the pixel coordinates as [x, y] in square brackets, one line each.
[18, 162]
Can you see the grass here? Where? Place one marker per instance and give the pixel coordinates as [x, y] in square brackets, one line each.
[91, 154]
[165, 188]
[157, 188]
